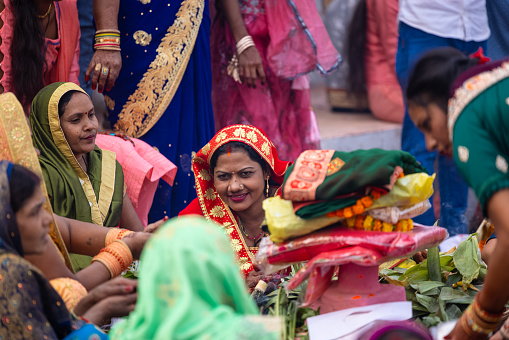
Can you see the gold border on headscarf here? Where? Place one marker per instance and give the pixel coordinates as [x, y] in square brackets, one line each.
[156, 89]
[16, 146]
[99, 209]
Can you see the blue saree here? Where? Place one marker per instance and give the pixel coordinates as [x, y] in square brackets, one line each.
[163, 92]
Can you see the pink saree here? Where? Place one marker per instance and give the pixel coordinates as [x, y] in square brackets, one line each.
[292, 42]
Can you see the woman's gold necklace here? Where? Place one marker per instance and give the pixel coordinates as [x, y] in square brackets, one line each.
[47, 12]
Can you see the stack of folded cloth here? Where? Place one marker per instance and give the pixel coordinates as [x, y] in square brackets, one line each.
[354, 207]
[372, 190]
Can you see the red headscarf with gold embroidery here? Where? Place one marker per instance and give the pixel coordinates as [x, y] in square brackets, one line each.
[211, 205]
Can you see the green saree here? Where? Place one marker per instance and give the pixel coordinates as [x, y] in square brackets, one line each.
[95, 196]
[193, 290]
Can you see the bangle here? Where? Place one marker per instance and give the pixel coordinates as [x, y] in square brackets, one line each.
[116, 257]
[484, 315]
[244, 44]
[116, 234]
[107, 39]
[233, 66]
[473, 323]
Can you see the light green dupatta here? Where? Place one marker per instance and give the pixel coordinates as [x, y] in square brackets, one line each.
[190, 288]
[95, 196]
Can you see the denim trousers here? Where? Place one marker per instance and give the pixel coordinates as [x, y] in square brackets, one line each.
[87, 27]
[412, 44]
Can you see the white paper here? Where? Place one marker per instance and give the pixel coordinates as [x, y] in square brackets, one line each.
[349, 323]
[442, 330]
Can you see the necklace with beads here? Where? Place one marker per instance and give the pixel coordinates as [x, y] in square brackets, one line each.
[246, 235]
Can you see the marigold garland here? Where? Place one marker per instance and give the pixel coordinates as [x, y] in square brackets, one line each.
[357, 209]
[368, 223]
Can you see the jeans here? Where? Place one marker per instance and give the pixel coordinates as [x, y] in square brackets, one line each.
[86, 16]
[412, 43]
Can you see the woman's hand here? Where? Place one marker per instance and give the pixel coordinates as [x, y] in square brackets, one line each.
[112, 60]
[136, 241]
[113, 306]
[116, 286]
[151, 228]
[251, 67]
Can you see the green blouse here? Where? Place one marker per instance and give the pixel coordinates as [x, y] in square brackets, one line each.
[478, 125]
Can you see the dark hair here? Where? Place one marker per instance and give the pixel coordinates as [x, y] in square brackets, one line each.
[28, 48]
[22, 184]
[64, 100]
[355, 51]
[238, 146]
[434, 74]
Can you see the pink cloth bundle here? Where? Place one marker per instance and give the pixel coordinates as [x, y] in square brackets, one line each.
[143, 167]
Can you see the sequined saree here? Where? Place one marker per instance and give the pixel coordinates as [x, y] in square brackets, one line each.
[162, 94]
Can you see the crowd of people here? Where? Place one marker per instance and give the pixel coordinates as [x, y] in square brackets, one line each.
[208, 105]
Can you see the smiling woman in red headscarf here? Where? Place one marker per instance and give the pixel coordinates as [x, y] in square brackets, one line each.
[234, 173]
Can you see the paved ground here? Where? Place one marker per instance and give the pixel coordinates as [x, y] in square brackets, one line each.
[351, 131]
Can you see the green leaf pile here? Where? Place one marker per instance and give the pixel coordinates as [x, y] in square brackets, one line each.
[286, 305]
[442, 286]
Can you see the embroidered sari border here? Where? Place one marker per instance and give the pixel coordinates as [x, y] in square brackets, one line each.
[472, 88]
[107, 188]
[16, 146]
[149, 102]
[62, 144]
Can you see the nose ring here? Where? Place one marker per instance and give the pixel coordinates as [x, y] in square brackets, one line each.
[241, 187]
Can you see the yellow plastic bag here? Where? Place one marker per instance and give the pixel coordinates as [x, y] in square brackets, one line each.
[407, 191]
[284, 224]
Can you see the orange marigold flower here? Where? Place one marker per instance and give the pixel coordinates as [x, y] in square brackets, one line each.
[339, 213]
[359, 222]
[331, 214]
[358, 208]
[399, 226]
[377, 226]
[347, 212]
[366, 201]
[401, 175]
[376, 194]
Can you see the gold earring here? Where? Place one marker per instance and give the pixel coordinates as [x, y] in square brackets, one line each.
[267, 190]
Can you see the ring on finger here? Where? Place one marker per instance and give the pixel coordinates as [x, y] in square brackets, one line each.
[98, 66]
[105, 71]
